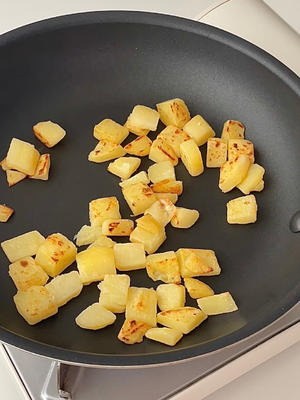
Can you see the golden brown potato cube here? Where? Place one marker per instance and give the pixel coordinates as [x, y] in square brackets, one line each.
[173, 112]
[26, 273]
[253, 178]
[105, 151]
[87, 235]
[191, 157]
[216, 154]
[174, 137]
[184, 217]
[42, 169]
[141, 305]
[129, 256]
[140, 177]
[111, 131]
[167, 186]
[94, 263]
[199, 130]
[233, 172]
[260, 186]
[162, 211]
[22, 246]
[102, 209]
[162, 170]
[22, 156]
[14, 177]
[184, 319]
[49, 133]
[242, 210]
[197, 289]
[151, 241]
[162, 151]
[173, 197]
[133, 331]
[217, 304]
[143, 117]
[65, 287]
[124, 167]
[102, 241]
[55, 254]
[166, 336]
[134, 129]
[35, 304]
[139, 197]
[163, 267]
[117, 227]
[233, 130]
[139, 147]
[114, 291]
[236, 147]
[170, 296]
[4, 165]
[5, 213]
[197, 262]
[95, 317]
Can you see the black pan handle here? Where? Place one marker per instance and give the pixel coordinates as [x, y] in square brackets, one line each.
[295, 222]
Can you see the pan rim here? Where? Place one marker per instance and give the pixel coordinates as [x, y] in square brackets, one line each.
[172, 22]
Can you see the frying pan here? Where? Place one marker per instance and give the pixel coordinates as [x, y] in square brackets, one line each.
[77, 70]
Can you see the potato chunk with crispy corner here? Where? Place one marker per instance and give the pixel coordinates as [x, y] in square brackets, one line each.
[233, 172]
[49, 133]
[140, 177]
[170, 296]
[129, 256]
[102, 241]
[217, 304]
[134, 129]
[14, 177]
[242, 210]
[149, 232]
[139, 147]
[117, 227]
[141, 305]
[160, 171]
[162, 211]
[191, 157]
[216, 154]
[253, 178]
[233, 130]
[174, 137]
[26, 273]
[22, 156]
[184, 319]
[162, 151]
[173, 197]
[111, 131]
[236, 147]
[65, 287]
[22, 246]
[199, 130]
[105, 151]
[139, 197]
[87, 235]
[173, 112]
[167, 186]
[166, 336]
[5, 213]
[197, 262]
[184, 217]
[124, 167]
[197, 289]
[163, 267]
[102, 209]
[133, 331]
[95, 317]
[114, 291]
[42, 169]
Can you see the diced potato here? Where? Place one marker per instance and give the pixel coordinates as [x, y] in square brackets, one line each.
[5, 213]
[162, 151]
[191, 157]
[26, 273]
[217, 304]
[95, 317]
[174, 137]
[258, 188]
[129, 256]
[237, 147]
[149, 224]
[117, 227]
[233, 130]
[55, 254]
[87, 235]
[174, 112]
[162, 211]
[94, 263]
[197, 262]
[114, 291]
[22, 246]
[124, 167]
[102, 209]
[49, 133]
[253, 178]
[163, 267]
[4, 165]
[14, 177]
[141, 305]
[242, 210]
[216, 154]
[65, 287]
[184, 217]
[139, 197]
[173, 197]
[233, 173]
[197, 289]
[199, 130]
[42, 169]
[105, 151]
[166, 336]
[143, 117]
[162, 170]
[170, 296]
[139, 147]
[151, 241]
[167, 186]
[133, 331]
[134, 129]
[140, 177]
[102, 241]
[111, 131]
[35, 304]
[22, 156]
[184, 319]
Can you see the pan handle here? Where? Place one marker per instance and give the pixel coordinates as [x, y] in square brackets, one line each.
[295, 222]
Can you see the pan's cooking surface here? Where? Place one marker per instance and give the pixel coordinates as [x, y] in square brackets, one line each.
[80, 69]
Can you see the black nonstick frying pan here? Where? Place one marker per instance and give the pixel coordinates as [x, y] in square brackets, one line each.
[77, 70]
